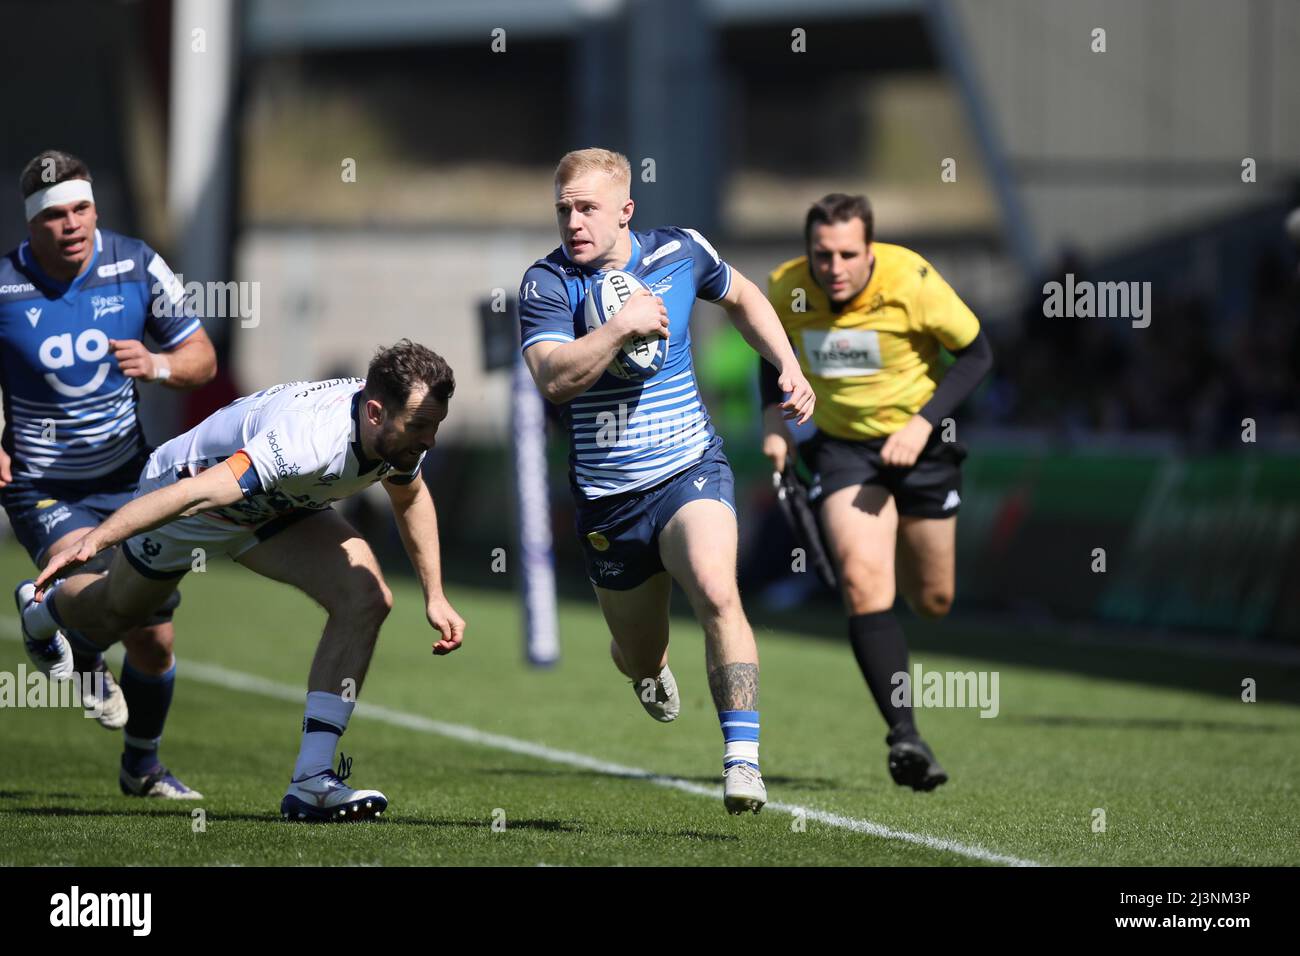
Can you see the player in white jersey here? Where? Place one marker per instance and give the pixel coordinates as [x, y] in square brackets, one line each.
[255, 480]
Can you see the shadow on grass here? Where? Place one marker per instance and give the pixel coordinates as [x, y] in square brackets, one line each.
[35, 794]
[545, 826]
[1094, 651]
[1144, 723]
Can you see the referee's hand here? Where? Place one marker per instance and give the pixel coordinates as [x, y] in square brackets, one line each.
[777, 444]
[902, 448]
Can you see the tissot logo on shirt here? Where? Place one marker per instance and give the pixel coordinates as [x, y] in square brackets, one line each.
[842, 353]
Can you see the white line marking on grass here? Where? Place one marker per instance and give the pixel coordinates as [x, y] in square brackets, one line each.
[250, 683]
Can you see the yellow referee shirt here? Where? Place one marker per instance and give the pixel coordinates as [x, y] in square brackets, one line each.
[874, 362]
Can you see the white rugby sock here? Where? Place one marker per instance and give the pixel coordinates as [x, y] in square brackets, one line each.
[324, 722]
[38, 618]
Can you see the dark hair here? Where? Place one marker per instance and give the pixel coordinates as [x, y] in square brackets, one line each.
[395, 371]
[49, 167]
[839, 207]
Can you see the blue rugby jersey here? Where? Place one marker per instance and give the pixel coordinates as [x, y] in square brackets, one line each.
[624, 435]
[56, 368]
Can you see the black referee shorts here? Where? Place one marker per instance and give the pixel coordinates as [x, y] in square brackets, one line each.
[931, 488]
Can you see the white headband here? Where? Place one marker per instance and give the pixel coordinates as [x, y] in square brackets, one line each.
[70, 190]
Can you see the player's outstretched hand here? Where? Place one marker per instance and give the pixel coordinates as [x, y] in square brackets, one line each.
[799, 399]
[133, 359]
[69, 559]
[902, 448]
[644, 314]
[447, 622]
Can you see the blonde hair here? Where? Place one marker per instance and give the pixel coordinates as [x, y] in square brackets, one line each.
[593, 159]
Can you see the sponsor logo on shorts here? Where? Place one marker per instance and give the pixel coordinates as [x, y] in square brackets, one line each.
[700, 482]
[952, 501]
[609, 569]
[598, 541]
[51, 518]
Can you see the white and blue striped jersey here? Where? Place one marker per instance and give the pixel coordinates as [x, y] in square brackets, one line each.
[625, 436]
[69, 411]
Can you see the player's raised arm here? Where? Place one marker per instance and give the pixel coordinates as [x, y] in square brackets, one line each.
[215, 488]
[757, 321]
[417, 523]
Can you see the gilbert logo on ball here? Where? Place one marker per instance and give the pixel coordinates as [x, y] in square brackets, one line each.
[642, 355]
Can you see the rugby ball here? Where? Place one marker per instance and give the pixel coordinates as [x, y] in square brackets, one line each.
[642, 355]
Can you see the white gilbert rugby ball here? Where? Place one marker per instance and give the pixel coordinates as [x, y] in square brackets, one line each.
[642, 355]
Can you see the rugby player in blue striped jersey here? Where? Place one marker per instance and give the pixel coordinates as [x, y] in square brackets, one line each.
[654, 492]
[75, 303]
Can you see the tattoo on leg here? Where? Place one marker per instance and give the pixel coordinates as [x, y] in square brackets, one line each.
[734, 686]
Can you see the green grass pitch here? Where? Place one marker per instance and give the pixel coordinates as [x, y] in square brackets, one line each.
[1184, 777]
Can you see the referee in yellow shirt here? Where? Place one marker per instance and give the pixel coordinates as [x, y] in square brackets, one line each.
[867, 320]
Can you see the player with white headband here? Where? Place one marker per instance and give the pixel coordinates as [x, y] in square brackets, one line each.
[75, 303]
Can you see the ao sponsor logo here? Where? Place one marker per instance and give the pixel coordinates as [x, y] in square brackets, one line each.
[63, 351]
[77, 909]
[1085, 300]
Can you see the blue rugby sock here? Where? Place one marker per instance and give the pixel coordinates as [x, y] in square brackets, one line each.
[740, 736]
[148, 698]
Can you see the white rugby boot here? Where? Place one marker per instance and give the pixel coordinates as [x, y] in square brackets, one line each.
[743, 788]
[324, 798]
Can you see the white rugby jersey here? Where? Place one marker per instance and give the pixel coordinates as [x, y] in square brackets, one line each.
[293, 446]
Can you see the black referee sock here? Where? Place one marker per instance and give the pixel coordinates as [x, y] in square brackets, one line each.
[881, 650]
